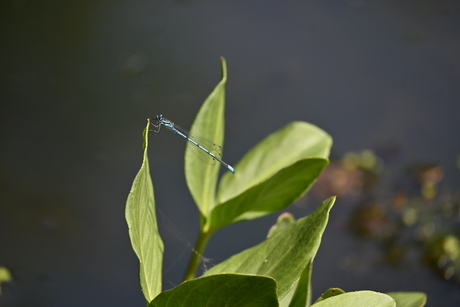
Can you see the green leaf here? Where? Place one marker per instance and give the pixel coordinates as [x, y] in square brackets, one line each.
[409, 299]
[294, 142]
[225, 290]
[143, 229]
[282, 256]
[358, 299]
[5, 275]
[209, 123]
[302, 294]
[330, 293]
[286, 300]
[276, 193]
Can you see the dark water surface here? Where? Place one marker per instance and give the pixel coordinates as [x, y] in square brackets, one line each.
[78, 80]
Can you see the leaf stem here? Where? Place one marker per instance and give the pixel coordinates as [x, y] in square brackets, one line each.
[196, 255]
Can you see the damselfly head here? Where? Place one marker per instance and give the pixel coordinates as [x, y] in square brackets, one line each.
[159, 117]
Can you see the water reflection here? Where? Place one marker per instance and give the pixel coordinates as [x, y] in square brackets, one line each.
[408, 214]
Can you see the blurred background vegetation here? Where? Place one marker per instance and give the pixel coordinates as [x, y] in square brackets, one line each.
[79, 79]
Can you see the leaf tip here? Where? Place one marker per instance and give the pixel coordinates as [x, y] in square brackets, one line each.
[145, 134]
[224, 68]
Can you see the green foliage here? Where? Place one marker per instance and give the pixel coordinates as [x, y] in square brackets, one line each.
[409, 299]
[271, 176]
[283, 221]
[209, 123]
[294, 142]
[329, 293]
[143, 229]
[226, 290]
[275, 193]
[284, 255]
[357, 299]
[302, 294]
[275, 173]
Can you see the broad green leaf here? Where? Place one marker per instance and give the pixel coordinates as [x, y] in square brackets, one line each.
[409, 299]
[302, 294]
[143, 229]
[224, 290]
[282, 256]
[294, 142]
[358, 299]
[276, 193]
[209, 123]
[329, 293]
[5, 275]
[301, 297]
